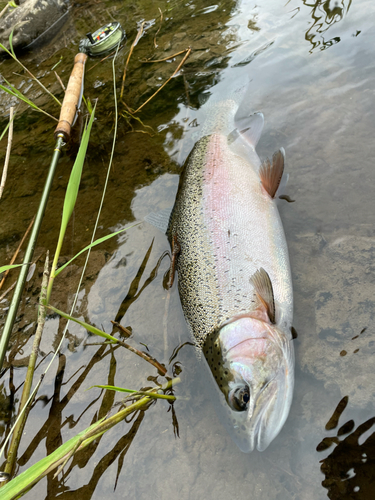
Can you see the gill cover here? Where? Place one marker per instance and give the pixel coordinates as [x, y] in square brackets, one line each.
[251, 362]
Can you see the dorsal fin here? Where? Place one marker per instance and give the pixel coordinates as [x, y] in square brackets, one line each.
[263, 288]
[271, 175]
[250, 127]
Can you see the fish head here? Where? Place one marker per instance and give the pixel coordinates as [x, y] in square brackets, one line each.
[252, 363]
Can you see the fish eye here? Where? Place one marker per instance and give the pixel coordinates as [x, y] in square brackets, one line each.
[239, 398]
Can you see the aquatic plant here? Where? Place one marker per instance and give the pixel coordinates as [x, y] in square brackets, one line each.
[142, 399]
[10, 89]
[59, 458]
[9, 5]
[19, 94]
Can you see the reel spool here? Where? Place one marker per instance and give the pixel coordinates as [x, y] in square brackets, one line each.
[102, 40]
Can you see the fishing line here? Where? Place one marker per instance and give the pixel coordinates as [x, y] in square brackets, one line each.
[31, 397]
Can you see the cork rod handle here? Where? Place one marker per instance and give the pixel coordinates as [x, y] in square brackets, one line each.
[70, 102]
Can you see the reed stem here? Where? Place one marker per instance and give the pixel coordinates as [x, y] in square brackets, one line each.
[9, 147]
[18, 430]
[61, 456]
[4, 340]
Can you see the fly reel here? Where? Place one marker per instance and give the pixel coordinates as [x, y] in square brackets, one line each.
[102, 40]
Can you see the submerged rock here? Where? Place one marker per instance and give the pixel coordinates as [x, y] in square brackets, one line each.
[337, 346]
[33, 21]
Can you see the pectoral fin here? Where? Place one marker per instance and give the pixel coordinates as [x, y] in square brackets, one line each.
[263, 288]
[249, 127]
[160, 220]
[271, 174]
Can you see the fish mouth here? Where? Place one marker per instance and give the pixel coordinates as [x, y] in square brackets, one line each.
[259, 429]
[257, 435]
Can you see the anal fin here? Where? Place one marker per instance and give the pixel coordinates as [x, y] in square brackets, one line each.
[263, 288]
[271, 174]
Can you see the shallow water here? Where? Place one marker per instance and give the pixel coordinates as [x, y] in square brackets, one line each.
[309, 67]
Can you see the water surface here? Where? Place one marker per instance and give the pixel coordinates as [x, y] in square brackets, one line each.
[309, 68]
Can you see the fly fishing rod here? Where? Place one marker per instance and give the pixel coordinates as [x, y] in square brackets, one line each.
[98, 43]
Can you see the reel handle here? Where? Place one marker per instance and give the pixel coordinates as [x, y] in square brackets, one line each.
[72, 94]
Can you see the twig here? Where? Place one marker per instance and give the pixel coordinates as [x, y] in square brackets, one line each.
[60, 81]
[139, 34]
[130, 111]
[18, 430]
[165, 58]
[29, 72]
[188, 51]
[127, 332]
[146, 357]
[9, 147]
[110, 15]
[7, 291]
[97, 430]
[136, 393]
[156, 34]
[64, 452]
[4, 10]
[16, 252]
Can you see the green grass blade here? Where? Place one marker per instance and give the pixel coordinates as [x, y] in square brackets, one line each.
[71, 197]
[34, 473]
[5, 268]
[18, 94]
[5, 49]
[75, 178]
[4, 131]
[58, 62]
[88, 327]
[87, 104]
[113, 388]
[94, 243]
[11, 44]
[142, 393]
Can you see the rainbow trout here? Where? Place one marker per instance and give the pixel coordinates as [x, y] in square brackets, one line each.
[234, 276]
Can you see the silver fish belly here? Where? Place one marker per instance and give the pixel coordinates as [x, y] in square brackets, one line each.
[235, 283]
